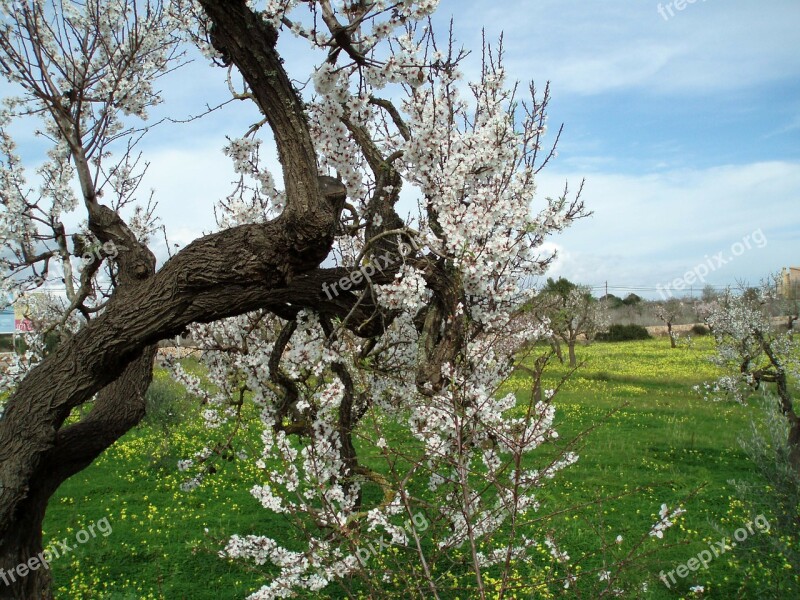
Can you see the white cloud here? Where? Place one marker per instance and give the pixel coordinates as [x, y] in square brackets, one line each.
[596, 47]
[649, 229]
[646, 229]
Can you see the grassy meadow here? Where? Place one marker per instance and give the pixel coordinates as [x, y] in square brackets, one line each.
[647, 439]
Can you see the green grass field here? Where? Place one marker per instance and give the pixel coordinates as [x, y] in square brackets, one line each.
[651, 440]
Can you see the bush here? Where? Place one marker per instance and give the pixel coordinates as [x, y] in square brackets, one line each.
[166, 403]
[623, 333]
[700, 329]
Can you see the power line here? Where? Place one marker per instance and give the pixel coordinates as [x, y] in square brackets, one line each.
[644, 288]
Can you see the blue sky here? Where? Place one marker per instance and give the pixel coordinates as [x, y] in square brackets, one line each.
[7, 320]
[687, 130]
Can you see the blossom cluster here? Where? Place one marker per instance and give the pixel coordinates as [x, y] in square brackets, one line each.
[475, 181]
[748, 345]
[88, 89]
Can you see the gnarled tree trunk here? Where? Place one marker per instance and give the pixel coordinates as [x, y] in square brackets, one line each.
[232, 272]
[118, 408]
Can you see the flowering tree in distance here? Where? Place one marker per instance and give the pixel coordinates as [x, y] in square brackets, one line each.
[409, 331]
[668, 312]
[571, 312]
[754, 353]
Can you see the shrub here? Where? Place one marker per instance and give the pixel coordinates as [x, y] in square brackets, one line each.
[623, 333]
[698, 329]
[166, 403]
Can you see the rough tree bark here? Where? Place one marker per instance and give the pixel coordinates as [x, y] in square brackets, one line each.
[249, 267]
[787, 405]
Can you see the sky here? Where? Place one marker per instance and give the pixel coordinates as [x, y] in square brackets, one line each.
[685, 124]
[682, 117]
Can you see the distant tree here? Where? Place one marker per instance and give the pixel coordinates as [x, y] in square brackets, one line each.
[631, 307]
[561, 286]
[572, 312]
[669, 312]
[632, 299]
[703, 310]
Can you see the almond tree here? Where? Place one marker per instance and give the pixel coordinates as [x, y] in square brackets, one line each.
[571, 311]
[410, 329]
[430, 348]
[669, 312]
[754, 353]
[86, 71]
